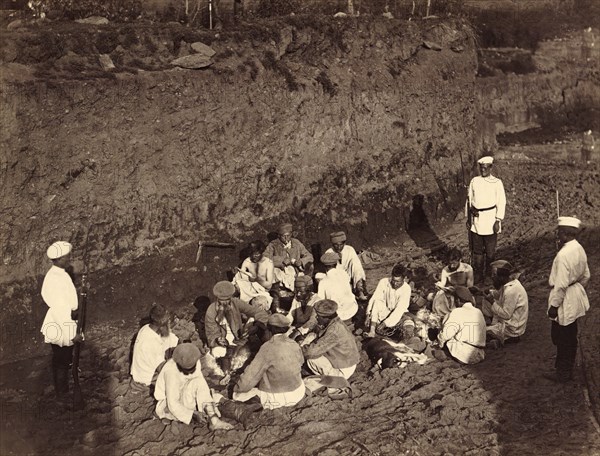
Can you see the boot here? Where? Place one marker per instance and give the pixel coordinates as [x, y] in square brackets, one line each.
[239, 411]
[61, 381]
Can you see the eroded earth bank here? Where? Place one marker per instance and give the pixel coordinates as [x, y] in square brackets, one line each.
[325, 123]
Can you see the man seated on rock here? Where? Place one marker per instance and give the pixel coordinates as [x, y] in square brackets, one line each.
[223, 321]
[331, 351]
[256, 275]
[336, 286]
[302, 315]
[153, 345]
[289, 256]
[183, 394]
[455, 273]
[463, 331]
[350, 263]
[274, 373]
[390, 301]
[509, 306]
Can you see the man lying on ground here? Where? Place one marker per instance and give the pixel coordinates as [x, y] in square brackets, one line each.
[509, 306]
[274, 373]
[152, 347]
[463, 331]
[389, 302]
[350, 263]
[336, 286]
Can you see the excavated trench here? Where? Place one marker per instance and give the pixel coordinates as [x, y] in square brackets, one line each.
[326, 124]
[369, 125]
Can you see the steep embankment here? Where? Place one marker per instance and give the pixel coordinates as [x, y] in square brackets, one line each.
[322, 122]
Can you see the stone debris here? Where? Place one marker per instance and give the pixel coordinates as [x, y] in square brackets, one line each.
[192, 62]
[201, 48]
[106, 62]
[431, 45]
[93, 20]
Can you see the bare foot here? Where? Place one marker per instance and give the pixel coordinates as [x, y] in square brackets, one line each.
[217, 424]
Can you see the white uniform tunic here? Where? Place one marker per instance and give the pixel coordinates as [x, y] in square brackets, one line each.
[570, 274]
[486, 192]
[60, 295]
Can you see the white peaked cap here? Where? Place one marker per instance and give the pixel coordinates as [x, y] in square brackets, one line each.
[487, 160]
[58, 249]
[569, 221]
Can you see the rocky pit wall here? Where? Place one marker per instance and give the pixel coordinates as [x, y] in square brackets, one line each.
[561, 87]
[330, 124]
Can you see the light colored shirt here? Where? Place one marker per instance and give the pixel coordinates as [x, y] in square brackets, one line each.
[60, 295]
[149, 352]
[568, 278]
[486, 192]
[350, 263]
[388, 304]
[336, 286]
[170, 389]
[512, 307]
[445, 278]
[464, 334]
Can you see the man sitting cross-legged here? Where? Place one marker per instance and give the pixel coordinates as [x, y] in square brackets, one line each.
[274, 373]
[390, 301]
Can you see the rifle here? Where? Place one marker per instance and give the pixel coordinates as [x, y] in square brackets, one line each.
[78, 402]
[470, 233]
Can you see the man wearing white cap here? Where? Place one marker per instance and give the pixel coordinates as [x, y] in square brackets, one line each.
[568, 300]
[59, 326]
[485, 208]
[336, 286]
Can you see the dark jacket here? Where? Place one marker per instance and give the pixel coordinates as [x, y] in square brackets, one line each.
[275, 368]
[277, 252]
[215, 330]
[336, 343]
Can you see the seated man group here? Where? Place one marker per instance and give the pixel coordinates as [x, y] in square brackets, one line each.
[314, 337]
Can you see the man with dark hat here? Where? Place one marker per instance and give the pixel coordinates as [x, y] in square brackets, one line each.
[302, 314]
[568, 300]
[183, 394]
[333, 352]
[486, 205]
[350, 263]
[59, 327]
[510, 305]
[336, 287]
[152, 345]
[463, 331]
[274, 373]
[223, 321]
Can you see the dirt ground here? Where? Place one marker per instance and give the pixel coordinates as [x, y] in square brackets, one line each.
[501, 406]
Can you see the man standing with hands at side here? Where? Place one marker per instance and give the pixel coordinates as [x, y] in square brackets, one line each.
[486, 204]
[59, 327]
[568, 300]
